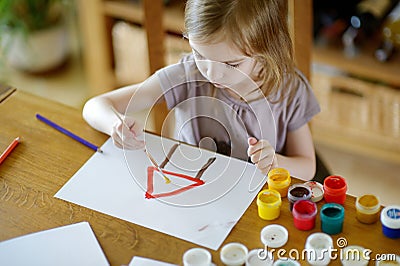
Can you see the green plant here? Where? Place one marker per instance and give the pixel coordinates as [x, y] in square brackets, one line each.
[21, 18]
[29, 15]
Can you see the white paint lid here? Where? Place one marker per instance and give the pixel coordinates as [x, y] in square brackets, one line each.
[317, 190]
[354, 256]
[197, 257]
[234, 254]
[274, 236]
[259, 257]
[286, 262]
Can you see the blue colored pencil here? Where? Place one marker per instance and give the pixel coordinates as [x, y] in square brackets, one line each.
[68, 133]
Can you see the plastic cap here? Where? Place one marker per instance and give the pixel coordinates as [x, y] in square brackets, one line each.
[274, 235]
[286, 262]
[390, 216]
[259, 257]
[233, 254]
[197, 256]
[354, 255]
[317, 190]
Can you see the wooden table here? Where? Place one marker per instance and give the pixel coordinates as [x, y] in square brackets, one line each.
[46, 159]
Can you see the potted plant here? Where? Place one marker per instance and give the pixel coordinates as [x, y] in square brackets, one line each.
[34, 34]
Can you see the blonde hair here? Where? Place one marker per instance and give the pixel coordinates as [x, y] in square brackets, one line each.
[258, 28]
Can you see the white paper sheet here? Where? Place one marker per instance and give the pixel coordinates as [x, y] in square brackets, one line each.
[68, 245]
[140, 261]
[115, 183]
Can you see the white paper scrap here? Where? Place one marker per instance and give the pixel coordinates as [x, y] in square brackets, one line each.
[68, 245]
[140, 261]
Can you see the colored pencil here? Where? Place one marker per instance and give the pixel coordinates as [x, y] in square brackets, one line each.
[167, 180]
[68, 133]
[9, 149]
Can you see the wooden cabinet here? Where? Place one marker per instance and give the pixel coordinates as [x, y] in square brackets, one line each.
[360, 101]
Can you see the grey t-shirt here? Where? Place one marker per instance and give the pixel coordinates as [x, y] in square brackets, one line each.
[211, 118]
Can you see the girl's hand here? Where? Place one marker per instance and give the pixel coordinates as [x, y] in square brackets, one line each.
[262, 154]
[128, 135]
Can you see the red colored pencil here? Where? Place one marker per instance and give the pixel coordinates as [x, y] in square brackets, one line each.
[9, 149]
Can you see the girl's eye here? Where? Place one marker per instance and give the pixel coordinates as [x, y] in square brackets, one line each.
[232, 65]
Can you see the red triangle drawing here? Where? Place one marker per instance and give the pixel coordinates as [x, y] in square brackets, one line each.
[150, 184]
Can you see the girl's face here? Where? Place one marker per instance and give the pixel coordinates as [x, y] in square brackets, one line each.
[226, 67]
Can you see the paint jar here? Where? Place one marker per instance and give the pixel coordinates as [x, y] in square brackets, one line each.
[234, 254]
[269, 204]
[304, 213]
[317, 247]
[197, 257]
[390, 219]
[259, 257]
[286, 262]
[298, 192]
[354, 256]
[279, 179]
[368, 209]
[335, 188]
[332, 217]
[274, 236]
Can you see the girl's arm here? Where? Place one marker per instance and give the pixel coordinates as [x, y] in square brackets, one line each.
[300, 154]
[299, 159]
[98, 113]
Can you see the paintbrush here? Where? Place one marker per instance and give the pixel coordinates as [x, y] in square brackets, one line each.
[167, 180]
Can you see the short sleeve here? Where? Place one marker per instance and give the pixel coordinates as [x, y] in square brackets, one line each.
[304, 105]
[179, 81]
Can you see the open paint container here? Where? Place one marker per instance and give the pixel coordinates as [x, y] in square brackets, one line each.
[269, 204]
[304, 213]
[332, 217]
[298, 192]
[279, 180]
[368, 209]
[335, 188]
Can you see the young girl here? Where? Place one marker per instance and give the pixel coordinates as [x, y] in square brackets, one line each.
[238, 92]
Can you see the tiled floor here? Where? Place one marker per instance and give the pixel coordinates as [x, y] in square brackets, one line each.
[364, 174]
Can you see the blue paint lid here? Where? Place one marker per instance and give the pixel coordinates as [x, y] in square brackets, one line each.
[390, 216]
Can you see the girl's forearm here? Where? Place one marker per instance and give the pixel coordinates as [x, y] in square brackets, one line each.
[298, 166]
[98, 114]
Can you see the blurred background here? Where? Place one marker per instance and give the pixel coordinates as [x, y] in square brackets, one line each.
[70, 50]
